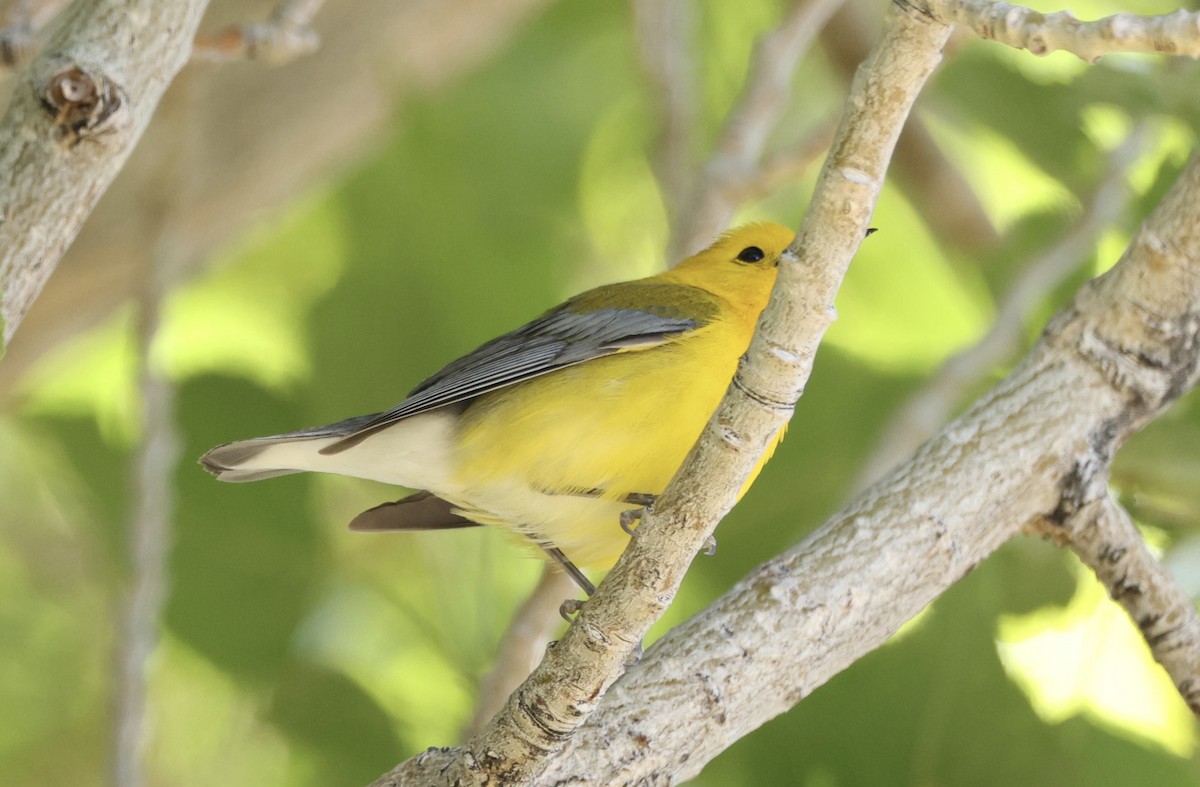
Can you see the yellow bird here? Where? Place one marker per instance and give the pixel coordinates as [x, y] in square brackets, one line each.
[555, 429]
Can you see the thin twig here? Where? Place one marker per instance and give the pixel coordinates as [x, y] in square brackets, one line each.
[749, 124]
[1104, 537]
[932, 406]
[1177, 33]
[149, 533]
[284, 37]
[786, 165]
[158, 453]
[665, 34]
[20, 24]
[149, 539]
[523, 644]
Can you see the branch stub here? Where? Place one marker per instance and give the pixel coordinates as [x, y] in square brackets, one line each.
[83, 104]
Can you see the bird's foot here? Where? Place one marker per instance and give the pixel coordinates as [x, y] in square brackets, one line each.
[630, 518]
[569, 608]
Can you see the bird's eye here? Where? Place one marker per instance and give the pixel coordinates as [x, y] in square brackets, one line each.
[750, 254]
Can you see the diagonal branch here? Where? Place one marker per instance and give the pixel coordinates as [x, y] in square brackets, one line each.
[664, 31]
[79, 109]
[1106, 540]
[543, 714]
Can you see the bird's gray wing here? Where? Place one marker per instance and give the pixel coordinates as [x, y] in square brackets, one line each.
[564, 337]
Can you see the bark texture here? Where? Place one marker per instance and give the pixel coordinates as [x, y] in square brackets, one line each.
[75, 116]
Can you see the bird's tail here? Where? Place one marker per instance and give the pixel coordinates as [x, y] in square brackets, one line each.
[414, 452]
[266, 457]
[281, 454]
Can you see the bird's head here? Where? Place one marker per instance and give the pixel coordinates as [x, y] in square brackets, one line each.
[740, 265]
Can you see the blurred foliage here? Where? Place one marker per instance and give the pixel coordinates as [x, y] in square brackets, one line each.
[295, 652]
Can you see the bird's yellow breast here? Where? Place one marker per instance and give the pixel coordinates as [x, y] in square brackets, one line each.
[555, 457]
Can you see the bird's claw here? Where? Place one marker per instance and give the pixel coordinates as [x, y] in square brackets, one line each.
[710, 546]
[569, 608]
[629, 518]
[643, 501]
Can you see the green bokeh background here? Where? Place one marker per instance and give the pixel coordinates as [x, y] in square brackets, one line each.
[294, 652]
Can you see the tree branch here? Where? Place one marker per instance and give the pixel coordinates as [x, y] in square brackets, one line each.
[543, 714]
[945, 200]
[1106, 540]
[149, 545]
[285, 36]
[151, 530]
[1036, 447]
[79, 109]
[785, 165]
[665, 34]
[708, 207]
[1177, 33]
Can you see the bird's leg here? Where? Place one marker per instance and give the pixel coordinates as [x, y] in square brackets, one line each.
[641, 499]
[571, 605]
[572, 570]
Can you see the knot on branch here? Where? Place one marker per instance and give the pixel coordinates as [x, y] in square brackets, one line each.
[1087, 481]
[83, 104]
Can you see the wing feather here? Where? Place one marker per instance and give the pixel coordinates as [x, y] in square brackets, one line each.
[563, 337]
